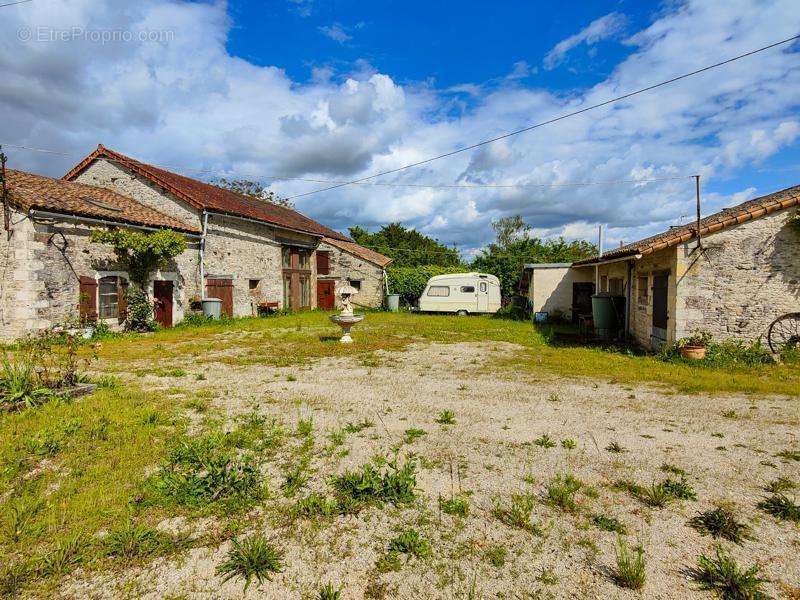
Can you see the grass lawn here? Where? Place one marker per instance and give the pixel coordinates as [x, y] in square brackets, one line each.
[231, 424]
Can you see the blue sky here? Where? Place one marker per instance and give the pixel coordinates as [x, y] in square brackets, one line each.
[320, 90]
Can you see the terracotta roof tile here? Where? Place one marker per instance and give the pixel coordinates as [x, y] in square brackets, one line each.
[205, 196]
[746, 211]
[29, 191]
[369, 255]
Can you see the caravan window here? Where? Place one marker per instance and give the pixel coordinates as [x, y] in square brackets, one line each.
[467, 289]
[439, 290]
[483, 286]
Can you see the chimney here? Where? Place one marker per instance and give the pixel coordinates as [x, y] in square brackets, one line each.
[621, 243]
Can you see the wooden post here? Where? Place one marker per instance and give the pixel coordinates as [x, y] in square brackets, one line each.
[4, 195]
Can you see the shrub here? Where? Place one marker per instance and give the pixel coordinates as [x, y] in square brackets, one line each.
[721, 522]
[630, 572]
[371, 486]
[254, 558]
[781, 507]
[20, 386]
[722, 575]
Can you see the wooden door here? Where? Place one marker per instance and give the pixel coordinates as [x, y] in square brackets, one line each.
[222, 289]
[660, 311]
[162, 301]
[325, 294]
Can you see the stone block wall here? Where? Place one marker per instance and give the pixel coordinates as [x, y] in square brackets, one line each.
[346, 267]
[18, 298]
[745, 277]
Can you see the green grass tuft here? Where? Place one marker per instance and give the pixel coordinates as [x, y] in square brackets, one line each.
[254, 558]
[446, 417]
[721, 522]
[781, 507]
[721, 574]
[605, 523]
[631, 568]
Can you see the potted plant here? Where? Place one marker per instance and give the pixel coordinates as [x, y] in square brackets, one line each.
[694, 346]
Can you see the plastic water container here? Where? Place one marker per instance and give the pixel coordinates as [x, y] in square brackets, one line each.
[393, 302]
[212, 308]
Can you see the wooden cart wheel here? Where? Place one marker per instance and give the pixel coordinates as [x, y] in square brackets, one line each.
[784, 332]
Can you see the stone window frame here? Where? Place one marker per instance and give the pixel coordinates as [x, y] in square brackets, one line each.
[643, 291]
[98, 275]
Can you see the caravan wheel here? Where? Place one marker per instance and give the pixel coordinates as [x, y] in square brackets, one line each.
[462, 313]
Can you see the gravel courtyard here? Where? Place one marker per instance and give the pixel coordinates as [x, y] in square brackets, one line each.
[510, 439]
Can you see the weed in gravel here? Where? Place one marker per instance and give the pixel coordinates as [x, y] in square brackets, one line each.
[496, 555]
[62, 558]
[133, 541]
[631, 568]
[730, 414]
[410, 543]
[605, 523]
[655, 495]
[388, 562]
[169, 373]
[682, 489]
[723, 576]
[328, 592]
[545, 441]
[446, 417]
[457, 506]
[373, 485]
[254, 558]
[780, 485]
[518, 513]
[358, 427]
[781, 507]
[789, 454]
[314, 505]
[568, 444]
[304, 427]
[409, 435]
[721, 522]
[616, 448]
[295, 477]
[19, 518]
[561, 492]
[547, 577]
[669, 468]
[553, 398]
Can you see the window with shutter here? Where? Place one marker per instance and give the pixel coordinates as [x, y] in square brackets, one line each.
[87, 299]
[323, 263]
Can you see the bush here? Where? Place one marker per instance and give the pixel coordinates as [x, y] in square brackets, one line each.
[140, 312]
[410, 282]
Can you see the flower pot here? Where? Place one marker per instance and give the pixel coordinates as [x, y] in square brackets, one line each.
[693, 352]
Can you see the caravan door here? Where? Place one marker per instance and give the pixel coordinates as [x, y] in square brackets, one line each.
[483, 297]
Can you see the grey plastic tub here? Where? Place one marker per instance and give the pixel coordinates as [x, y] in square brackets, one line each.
[393, 302]
[212, 307]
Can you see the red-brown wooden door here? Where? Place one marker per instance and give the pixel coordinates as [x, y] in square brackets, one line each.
[162, 301]
[325, 297]
[222, 289]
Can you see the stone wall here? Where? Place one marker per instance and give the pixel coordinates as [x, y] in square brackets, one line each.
[345, 267]
[111, 175]
[44, 288]
[744, 278]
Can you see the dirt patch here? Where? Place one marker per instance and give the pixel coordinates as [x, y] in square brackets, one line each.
[726, 445]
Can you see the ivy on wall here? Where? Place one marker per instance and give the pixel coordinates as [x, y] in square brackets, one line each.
[142, 252]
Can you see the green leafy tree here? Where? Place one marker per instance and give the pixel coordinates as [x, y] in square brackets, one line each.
[253, 189]
[410, 282]
[513, 248]
[406, 247]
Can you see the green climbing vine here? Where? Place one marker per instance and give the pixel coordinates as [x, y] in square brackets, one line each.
[140, 252]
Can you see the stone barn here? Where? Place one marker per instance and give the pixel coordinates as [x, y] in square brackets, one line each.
[340, 262]
[733, 280]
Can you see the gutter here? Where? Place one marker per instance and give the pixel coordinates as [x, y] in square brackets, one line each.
[203, 256]
[70, 217]
[636, 256]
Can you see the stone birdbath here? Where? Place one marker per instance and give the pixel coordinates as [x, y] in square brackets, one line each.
[346, 319]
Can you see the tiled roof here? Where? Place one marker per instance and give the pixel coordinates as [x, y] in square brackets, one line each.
[29, 191]
[205, 196]
[375, 258]
[746, 211]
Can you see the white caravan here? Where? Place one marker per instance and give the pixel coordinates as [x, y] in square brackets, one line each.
[461, 293]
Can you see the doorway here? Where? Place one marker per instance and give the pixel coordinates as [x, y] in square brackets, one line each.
[660, 310]
[162, 302]
[325, 294]
[582, 292]
[222, 289]
[483, 297]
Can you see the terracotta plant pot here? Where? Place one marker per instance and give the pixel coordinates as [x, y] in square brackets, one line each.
[693, 352]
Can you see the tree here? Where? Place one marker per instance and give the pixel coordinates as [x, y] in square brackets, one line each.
[513, 248]
[406, 247]
[253, 189]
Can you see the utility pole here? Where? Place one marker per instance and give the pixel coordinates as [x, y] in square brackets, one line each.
[599, 258]
[697, 194]
[4, 195]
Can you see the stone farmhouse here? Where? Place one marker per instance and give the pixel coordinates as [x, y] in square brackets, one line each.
[742, 274]
[252, 254]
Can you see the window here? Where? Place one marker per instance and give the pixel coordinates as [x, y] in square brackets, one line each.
[286, 258]
[111, 297]
[483, 287]
[439, 290]
[467, 289]
[287, 292]
[356, 283]
[642, 290]
[304, 261]
[615, 286]
[253, 284]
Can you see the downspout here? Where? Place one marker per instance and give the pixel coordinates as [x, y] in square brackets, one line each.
[628, 300]
[203, 256]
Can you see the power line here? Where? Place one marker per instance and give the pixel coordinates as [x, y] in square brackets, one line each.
[553, 120]
[13, 3]
[386, 184]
